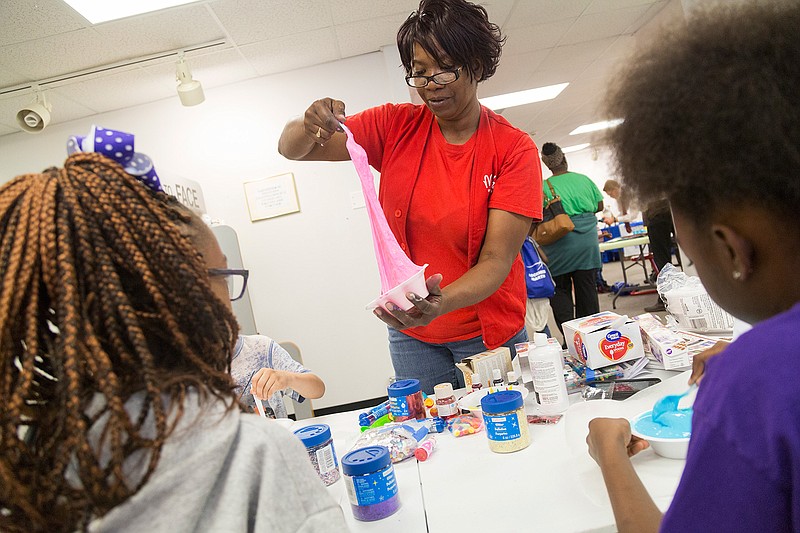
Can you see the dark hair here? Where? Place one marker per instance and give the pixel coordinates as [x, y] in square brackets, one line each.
[452, 31]
[712, 114]
[104, 296]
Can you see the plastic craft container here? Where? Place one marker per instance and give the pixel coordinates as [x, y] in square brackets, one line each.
[371, 484]
[505, 421]
[405, 400]
[670, 447]
[319, 445]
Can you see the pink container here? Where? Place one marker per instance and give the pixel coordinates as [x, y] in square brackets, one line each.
[397, 295]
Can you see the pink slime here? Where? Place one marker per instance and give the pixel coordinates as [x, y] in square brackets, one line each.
[393, 264]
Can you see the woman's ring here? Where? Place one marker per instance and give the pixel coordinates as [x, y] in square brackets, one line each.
[319, 132]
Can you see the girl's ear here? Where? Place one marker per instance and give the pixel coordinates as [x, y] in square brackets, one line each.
[736, 248]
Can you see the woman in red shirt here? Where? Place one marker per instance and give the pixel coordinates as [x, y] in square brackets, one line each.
[459, 187]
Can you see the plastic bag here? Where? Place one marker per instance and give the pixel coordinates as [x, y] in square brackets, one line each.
[400, 439]
[466, 424]
[689, 304]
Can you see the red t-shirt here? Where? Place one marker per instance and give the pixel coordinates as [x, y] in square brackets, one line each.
[436, 198]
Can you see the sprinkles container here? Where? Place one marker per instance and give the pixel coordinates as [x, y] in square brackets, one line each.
[319, 445]
[505, 421]
[371, 485]
[405, 400]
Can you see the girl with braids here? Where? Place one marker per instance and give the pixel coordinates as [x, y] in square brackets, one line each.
[117, 410]
[712, 122]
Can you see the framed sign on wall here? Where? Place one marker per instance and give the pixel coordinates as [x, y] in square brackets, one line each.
[271, 197]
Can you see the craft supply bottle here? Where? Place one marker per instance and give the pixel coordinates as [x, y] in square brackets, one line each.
[476, 382]
[446, 401]
[512, 378]
[425, 448]
[405, 400]
[497, 379]
[505, 421]
[319, 445]
[547, 369]
[371, 484]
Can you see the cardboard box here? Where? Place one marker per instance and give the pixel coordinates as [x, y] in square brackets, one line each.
[667, 347]
[484, 362]
[603, 339]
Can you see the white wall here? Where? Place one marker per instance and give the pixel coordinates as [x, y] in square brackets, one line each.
[312, 272]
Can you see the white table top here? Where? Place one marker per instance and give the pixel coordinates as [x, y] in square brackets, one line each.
[553, 485]
[619, 242]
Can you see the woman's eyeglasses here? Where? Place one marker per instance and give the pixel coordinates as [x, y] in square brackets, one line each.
[236, 280]
[440, 78]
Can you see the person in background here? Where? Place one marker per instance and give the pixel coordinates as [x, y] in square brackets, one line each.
[575, 258]
[727, 79]
[459, 187]
[117, 409]
[262, 368]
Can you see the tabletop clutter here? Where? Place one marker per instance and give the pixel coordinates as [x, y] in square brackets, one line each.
[605, 354]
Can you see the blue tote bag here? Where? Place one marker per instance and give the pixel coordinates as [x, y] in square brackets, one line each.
[537, 276]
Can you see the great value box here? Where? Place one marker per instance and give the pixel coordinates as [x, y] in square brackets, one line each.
[603, 339]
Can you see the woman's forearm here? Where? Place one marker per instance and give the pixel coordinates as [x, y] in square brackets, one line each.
[293, 143]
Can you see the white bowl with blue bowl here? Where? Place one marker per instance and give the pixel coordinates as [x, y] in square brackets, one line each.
[669, 440]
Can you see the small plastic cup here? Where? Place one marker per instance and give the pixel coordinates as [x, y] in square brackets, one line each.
[397, 295]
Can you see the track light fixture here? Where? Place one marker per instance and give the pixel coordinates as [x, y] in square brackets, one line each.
[190, 91]
[35, 117]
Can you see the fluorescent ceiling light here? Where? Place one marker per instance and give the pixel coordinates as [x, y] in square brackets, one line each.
[502, 101]
[96, 11]
[575, 148]
[586, 128]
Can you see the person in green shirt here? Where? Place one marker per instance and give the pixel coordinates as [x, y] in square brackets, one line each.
[575, 258]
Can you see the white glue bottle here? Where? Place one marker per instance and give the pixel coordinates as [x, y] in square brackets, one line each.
[547, 368]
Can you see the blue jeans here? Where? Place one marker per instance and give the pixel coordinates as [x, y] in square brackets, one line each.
[432, 364]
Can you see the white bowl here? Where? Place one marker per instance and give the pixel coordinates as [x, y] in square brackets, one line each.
[397, 295]
[472, 401]
[671, 448]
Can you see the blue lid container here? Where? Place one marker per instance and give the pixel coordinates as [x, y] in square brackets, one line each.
[404, 387]
[314, 435]
[366, 460]
[501, 402]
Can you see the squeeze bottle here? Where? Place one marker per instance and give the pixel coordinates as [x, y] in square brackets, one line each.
[547, 368]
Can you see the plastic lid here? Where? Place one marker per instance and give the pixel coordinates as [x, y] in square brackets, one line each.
[511, 376]
[366, 460]
[404, 387]
[443, 390]
[496, 374]
[476, 378]
[314, 435]
[501, 402]
[540, 339]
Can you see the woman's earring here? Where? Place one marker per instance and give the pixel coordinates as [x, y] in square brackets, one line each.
[737, 275]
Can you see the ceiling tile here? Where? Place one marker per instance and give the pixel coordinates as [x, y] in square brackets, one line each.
[513, 74]
[579, 55]
[212, 69]
[606, 24]
[498, 10]
[7, 130]
[347, 11]
[248, 21]
[121, 89]
[541, 36]
[609, 5]
[530, 12]
[360, 38]
[160, 31]
[58, 54]
[8, 77]
[292, 52]
[26, 20]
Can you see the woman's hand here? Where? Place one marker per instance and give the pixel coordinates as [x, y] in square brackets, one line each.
[311, 137]
[612, 436]
[423, 312]
[268, 381]
[322, 118]
[699, 361]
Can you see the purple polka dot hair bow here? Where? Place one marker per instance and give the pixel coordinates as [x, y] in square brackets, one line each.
[117, 145]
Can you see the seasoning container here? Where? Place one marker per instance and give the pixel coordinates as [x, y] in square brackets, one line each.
[405, 400]
[446, 401]
[476, 381]
[497, 379]
[505, 421]
[319, 445]
[371, 485]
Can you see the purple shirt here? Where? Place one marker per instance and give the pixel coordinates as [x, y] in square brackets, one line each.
[743, 468]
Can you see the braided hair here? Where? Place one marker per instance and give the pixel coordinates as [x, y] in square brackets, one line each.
[102, 296]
